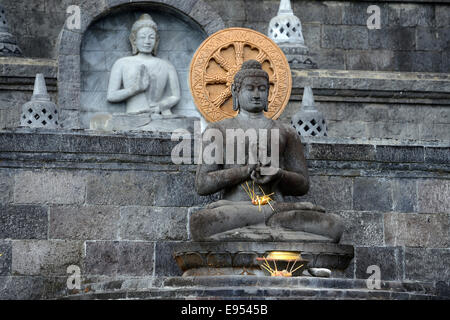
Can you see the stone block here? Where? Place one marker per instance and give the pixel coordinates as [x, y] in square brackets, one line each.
[68, 71]
[94, 143]
[21, 288]
[37, 47]
[311, 34]
[121, 188]
[341, 152]
[28, 142]
[119, 258]
[417, 230]
[229, 10]
[45, 257]
[260, 11]
[69, 119]
[320, 12]
[331, 59]
[84, 222]
[390, 130]
[355, 37]
[393, 38]
[374, 60]
[332, 193]
[94, 81]
[434, 131]
[404, 195]
[23, 222]
[178, 190]
[372, 194]
[203, 14]
[58, 187]
[165, 264]
[442, 15]
[6, 187]
[93, 61]
[362, 228]
[332, 37]
[427, 264]
[69, 42]
[69, 96]
[418, 61]
[153, 223]
[410, 15]
[181, 41]
[437, 155]
[445, 62]
[5, 258]
[400, 154]
[347, 129]
[433, 39]
[388, 259]
[150, 147]
[433, 195]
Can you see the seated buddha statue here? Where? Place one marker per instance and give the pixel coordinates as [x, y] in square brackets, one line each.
[147, 84]
[236, 214]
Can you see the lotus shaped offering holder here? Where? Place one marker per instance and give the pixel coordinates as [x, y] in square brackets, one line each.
[283, 264]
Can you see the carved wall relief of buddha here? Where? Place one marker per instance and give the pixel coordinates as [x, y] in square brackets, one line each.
[148, 84]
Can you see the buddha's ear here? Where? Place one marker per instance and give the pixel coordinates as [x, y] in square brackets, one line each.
[134, 49]
[266, 107]
[155, 48]
[234, 94]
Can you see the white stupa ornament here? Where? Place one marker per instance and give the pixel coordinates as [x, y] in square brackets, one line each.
[40, 111]
[286, 30]
[308, 121]
[286, 27]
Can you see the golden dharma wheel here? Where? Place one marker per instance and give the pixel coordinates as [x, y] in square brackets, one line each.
[216, 62]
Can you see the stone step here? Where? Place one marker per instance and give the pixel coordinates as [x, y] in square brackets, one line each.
[251, 287]
[248, 293]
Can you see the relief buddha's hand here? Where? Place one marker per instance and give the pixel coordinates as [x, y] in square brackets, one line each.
[155, 108]
[142, 81]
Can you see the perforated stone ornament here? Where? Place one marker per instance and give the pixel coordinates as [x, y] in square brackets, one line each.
[8, 43]
[309, 121]
[286, 27]
[40, 111]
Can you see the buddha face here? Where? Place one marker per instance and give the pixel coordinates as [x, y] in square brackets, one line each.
[253, 94]
[145, 40]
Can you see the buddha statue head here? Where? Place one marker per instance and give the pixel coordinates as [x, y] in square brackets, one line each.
[250, 88]
[144, 36]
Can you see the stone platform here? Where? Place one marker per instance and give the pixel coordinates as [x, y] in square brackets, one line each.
[253, 287]
[234, 257]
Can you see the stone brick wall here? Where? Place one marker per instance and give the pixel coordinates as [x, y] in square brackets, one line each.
[414, 35]
[115, 205]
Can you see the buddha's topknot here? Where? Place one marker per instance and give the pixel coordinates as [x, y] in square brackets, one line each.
[250, 68]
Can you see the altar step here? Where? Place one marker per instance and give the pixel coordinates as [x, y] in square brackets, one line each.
[252, 287]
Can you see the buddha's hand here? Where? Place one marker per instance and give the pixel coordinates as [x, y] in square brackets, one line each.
[155, 108]
[142, 80]
[265, 174]
[250, 169]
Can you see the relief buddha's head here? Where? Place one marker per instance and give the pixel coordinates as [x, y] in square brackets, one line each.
[144, 36]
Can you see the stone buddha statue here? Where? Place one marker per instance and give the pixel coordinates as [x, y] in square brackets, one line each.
[235, 217]
[149, 85]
